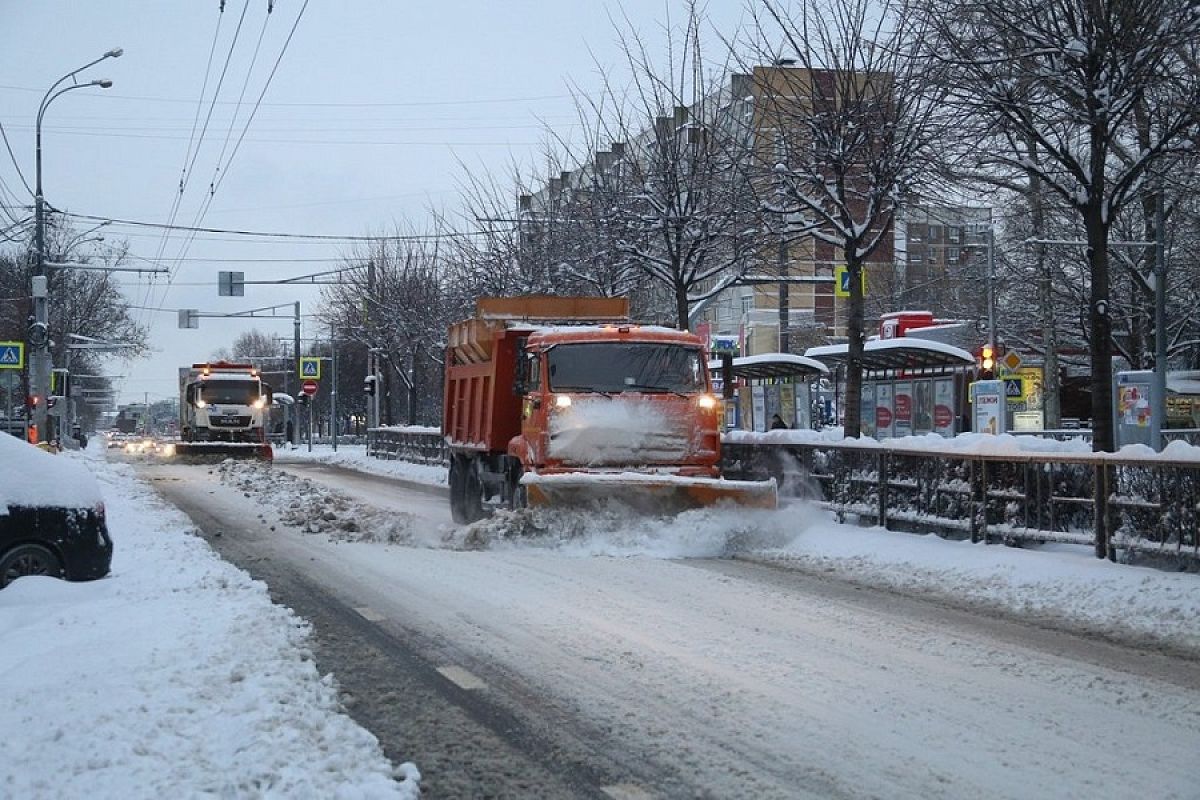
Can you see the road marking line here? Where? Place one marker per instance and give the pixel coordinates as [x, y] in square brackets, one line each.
[461, 678]
[370, 614]
[626, 791]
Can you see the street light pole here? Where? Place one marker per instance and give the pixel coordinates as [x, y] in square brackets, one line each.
[39, 360]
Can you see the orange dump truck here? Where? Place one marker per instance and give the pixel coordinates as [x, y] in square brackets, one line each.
[562, 401]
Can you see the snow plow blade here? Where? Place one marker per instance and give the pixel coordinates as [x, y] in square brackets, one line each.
[205, 452]
[651, 494]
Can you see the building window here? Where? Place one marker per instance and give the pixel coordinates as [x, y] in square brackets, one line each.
[953, 234]
[951, 255]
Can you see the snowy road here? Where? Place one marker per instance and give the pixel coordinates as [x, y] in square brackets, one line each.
[635, 676]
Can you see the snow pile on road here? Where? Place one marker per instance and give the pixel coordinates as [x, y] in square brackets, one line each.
[311, 508]
[355, 457]
[174, 677]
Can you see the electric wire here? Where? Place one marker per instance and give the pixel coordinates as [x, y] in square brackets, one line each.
[282, 235]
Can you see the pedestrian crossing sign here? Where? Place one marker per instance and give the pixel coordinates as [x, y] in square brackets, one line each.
[12, 355]
[310, 367]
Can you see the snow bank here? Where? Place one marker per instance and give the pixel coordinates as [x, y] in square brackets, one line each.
[32, 477]
[1060, 585]
[174, 677]
[355, 457]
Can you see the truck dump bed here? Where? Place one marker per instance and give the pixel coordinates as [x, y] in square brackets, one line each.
[481, 411]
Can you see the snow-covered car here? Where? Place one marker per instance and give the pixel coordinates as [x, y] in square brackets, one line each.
[51, 516]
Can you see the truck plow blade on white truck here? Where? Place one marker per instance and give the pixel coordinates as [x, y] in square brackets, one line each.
[204, 452]
[646, 493]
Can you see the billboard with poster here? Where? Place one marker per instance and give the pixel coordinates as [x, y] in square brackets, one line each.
[943, 407]
[884, 413]
[902, 404]
[922, 411]
[867, 410]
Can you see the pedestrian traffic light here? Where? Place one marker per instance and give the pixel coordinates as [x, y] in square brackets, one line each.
[32, 402]
[369, 385]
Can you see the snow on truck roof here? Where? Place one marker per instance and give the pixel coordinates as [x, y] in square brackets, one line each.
[32, 477]
[622, 329]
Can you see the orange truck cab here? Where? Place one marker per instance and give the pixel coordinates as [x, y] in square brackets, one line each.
[564, 401]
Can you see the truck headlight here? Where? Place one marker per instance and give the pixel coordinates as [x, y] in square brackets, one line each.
[260, 402]
[707, 401]
[562, 401]
[200, 404]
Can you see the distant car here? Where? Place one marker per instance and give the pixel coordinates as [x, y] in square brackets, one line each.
[52, 519]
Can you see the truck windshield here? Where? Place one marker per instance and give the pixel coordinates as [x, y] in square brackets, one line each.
[625, 367]
[240, 393]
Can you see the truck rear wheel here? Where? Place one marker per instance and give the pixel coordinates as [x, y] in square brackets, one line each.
[466, 490]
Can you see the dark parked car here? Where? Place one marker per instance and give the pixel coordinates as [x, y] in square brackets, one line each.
[51, 517]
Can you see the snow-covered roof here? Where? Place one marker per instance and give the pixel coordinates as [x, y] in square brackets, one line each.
[896, 354]
[1187, 382]
[32, 477]
[773, 365]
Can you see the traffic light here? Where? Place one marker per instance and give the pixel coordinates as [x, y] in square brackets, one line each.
[987, 363]
[302, 399]
[369, 385]
[32, 402]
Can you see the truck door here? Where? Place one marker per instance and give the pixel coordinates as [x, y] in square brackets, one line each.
[533, 412]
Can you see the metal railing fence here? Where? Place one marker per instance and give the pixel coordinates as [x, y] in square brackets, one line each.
[1134, 505]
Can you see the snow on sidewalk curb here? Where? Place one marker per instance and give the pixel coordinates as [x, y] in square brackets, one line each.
[1059, 586]
[174, 676]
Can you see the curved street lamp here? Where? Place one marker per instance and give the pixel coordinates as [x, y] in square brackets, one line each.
[39, 361]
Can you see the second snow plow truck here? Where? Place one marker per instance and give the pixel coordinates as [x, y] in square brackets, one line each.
[562, 401]
[223, 411]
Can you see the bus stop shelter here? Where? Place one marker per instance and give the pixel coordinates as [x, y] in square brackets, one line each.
[771, 383]
[910, 385]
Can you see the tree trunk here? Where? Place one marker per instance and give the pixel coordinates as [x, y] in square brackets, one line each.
[1100, 319]
[681, 307]
[854, 330]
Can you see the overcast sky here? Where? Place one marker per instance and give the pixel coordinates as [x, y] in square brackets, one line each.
[362, 128]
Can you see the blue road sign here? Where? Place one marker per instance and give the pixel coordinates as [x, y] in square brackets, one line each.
[310, 367]
[12, 355]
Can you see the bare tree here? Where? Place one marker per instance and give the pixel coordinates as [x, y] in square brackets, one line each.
[1063, 81]
[399, 302]
[673, 189]
[852, 107]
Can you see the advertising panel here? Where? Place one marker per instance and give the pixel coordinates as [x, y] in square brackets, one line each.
[884, 413]
[902, 402]
[922, 413]
[943, 407]
[867, 411]
[758, 403]
[787, 404]
[988, 407]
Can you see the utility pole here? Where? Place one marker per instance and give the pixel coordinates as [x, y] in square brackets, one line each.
[296, 368]
[1160, 318]
[333, 413]
[372, 365]
[991, 282]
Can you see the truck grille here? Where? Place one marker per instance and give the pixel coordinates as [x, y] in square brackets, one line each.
[619, 432]
[229, 422]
